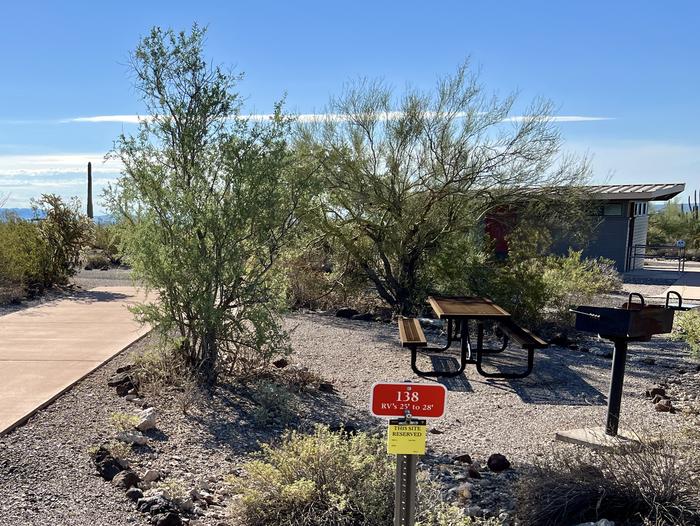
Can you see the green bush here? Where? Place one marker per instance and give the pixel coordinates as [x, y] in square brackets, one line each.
[64, 232]
[540, 288]
[22, 257]
[107, 239]
[323, 479]
[38, 254]
[687, 328]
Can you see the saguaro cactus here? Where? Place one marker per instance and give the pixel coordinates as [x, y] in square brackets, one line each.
[89, 191]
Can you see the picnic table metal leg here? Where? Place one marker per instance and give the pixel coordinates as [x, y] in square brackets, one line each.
[449, 336]
[480, 354]
[437, 374]
[466, 344]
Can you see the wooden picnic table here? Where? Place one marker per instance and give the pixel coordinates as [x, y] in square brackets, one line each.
[459, 311]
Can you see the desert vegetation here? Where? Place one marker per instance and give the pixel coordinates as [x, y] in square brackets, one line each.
[40, 254]
[677, 221]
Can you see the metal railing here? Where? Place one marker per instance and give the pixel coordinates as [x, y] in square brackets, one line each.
[667, 252]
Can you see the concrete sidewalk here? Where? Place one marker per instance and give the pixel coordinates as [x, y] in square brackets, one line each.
[44, 350]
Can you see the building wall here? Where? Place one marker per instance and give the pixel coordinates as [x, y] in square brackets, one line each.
[610, 241]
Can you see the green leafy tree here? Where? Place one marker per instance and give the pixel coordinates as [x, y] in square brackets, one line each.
[208, 201]
[401, 177]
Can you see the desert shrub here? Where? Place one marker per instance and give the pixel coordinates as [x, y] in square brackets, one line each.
[107, 239]
[159, 366]
[273, 404]
[173, 489]
[123, 421]
[22, 257]
[647, 483]
[687, 329]
[96, 262]
[119, 450]
[65, 232]
[534, 289]
[434, 510]
[322, 276]
[323, 479]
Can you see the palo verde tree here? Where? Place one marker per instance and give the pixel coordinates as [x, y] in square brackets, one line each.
[208, 200]
[401, 175]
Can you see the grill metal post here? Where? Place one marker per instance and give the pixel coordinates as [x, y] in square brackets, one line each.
[616, 380]
[406, 490]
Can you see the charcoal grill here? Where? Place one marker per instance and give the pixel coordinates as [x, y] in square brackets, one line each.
[634, 321]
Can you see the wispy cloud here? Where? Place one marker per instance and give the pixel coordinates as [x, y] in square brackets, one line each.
[319, 117]
[49, 164]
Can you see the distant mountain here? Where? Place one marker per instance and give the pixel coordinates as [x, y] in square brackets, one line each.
[23, 213]
[28, 213]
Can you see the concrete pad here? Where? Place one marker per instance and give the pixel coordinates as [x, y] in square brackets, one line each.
[595, 438]
[46, 349]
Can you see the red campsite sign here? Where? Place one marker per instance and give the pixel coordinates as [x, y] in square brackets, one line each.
[421, 400]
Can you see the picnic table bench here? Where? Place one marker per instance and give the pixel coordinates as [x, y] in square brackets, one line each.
[459, 311]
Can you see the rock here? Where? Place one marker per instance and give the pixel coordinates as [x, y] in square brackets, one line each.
[107, 466]
[463, 458]
[154, 504]
[147, 419]
[648, 361]
[132, 437]
[126, 479]
[573, 347]
[366, 316]
[658, 398]
[561, 339]
[654, 391]
[186, 505]
[134, 494]
[281, 363]
[131, 397]
[167, 519]
[473, 472]
[151, 475]
[326, 387]
[123, 389]
[497, 463]
[664, 406]
[125, 368]
[346, 312]
[473, 511]
[603, 353]
[435, 431]
[119, 378]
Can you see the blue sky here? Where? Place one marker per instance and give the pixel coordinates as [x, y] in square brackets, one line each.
[635, 63]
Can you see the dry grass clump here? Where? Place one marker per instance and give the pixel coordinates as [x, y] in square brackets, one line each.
[644, 484]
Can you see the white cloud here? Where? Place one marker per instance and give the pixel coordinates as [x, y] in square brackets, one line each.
[38, 165]
[317, 117]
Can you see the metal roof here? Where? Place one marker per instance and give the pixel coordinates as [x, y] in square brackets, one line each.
[636, 192]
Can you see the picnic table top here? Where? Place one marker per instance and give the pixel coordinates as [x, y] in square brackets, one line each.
[465, 307]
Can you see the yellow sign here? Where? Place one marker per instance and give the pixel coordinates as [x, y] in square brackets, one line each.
[406, 439]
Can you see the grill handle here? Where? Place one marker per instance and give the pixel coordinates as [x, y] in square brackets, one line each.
[680, 299]
[629, 299]
[590, 314]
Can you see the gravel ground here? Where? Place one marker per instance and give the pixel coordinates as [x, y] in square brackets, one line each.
[47, 477]
[566, 390]
[114, 277]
